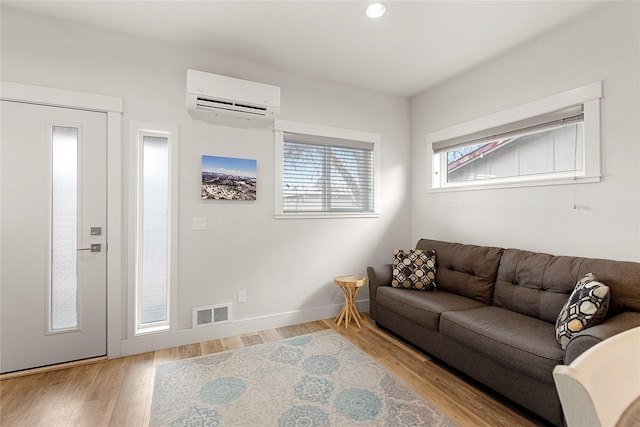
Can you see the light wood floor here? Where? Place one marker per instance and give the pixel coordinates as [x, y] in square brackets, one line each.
[118, 392]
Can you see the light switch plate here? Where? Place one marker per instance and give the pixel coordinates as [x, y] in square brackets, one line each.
[199, 223]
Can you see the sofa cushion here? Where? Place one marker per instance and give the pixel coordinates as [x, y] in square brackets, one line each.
[586, 307]
[622, 278]
[520, 342]
[535, 284]
[414, 269]
[422, 308]
[465, 270]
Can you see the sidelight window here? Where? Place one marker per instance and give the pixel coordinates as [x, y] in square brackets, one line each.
[154, 248]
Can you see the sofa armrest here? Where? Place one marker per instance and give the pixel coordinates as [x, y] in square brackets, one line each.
[591, 336]
[379, 275]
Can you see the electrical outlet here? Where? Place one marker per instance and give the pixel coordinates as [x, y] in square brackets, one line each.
[242, 296]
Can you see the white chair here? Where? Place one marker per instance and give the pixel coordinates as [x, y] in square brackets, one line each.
[597, 387]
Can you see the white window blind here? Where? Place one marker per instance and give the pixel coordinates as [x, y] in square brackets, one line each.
[323, 174]
[531, 125]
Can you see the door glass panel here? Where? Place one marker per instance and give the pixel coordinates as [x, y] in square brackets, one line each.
[64, 229]
[154, 216]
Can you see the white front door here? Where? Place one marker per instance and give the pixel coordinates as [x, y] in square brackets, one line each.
[53, 235]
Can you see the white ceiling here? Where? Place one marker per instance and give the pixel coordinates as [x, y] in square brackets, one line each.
[417, 44]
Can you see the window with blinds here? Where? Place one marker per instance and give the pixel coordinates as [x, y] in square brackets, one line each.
[546, 144]
[549, 141]
[327, 175]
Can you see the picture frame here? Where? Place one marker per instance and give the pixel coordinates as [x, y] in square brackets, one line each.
[228, 178]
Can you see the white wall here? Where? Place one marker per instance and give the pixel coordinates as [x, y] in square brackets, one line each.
[285, 266]
[602, 45]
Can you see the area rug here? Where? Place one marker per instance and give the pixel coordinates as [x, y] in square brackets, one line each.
[318, 379]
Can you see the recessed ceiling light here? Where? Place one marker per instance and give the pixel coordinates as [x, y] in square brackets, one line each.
[376, 10]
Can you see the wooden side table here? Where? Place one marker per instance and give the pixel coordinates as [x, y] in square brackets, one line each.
[350, 286]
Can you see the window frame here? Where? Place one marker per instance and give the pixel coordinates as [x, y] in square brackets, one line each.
[323, 134]
[137, 132]
[588, 96]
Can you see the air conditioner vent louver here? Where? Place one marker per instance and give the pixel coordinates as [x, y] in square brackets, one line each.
[251, 106]
[231, 102]
[215, 104]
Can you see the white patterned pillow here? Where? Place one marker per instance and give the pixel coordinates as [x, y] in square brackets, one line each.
[587, 306]
[414, 269]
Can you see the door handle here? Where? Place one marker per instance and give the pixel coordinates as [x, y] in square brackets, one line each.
[95, 247]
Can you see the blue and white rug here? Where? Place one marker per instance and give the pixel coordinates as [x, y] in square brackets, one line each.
[319, 379]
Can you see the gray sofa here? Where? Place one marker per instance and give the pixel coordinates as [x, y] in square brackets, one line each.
[493, 315]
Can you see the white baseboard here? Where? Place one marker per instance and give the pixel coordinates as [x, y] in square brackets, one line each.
[152, 342]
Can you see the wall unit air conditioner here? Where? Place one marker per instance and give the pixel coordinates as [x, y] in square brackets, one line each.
[231, 102]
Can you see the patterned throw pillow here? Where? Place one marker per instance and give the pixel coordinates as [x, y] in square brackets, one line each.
[414, 269]
[587, 306]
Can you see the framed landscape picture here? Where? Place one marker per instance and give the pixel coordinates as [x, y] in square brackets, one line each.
[228, 178]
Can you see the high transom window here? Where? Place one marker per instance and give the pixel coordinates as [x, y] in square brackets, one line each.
[555, 142]
[550, 148]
